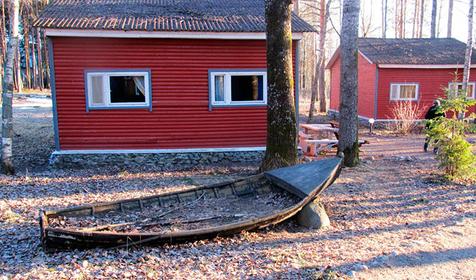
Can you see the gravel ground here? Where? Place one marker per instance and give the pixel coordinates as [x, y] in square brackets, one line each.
[393, 217]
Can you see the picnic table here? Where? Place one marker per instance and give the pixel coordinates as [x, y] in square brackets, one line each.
[318, 138]
[319, 129]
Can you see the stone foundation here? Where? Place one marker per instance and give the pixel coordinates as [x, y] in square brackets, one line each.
[164, 161]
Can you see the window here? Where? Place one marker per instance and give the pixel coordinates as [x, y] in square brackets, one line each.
[458, 87]
[238, 88]
[121, 89]
[404, 91]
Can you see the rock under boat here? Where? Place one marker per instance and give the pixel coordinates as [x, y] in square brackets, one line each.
[205, 212]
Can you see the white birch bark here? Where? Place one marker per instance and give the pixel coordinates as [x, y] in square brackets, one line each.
[434, 8]
[469, 47]
[450, 19]
[384, 18]
[7, 95]
[422, 18]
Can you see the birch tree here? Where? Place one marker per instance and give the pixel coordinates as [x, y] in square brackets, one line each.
[469, 47]
[2, 40]
[7, 95]
[384, 18]
[348, 132]
[422, 17]
[322, 58]
[415, 17]
[319, 86]
[281, 146]
[366, 21]
[434, 8]
[450, 19]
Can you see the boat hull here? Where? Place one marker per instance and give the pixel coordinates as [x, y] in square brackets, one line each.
[60, 238]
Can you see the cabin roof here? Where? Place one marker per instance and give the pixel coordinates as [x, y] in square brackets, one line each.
[161, 15]
[422, 51]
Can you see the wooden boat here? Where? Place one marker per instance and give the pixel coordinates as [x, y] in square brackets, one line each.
[246, 204]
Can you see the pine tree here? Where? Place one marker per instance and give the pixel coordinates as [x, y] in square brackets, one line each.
[281, 146]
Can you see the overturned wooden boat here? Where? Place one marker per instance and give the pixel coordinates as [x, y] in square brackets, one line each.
[199, 213]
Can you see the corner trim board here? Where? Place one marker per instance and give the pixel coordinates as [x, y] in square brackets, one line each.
[376, 93]
[53, 93]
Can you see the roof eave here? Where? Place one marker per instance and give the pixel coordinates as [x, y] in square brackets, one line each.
[421, 66]
[55, 32]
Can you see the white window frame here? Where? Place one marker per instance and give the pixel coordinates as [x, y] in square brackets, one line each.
[417, 91]
[107, 89]
[473, 95]
[227, 94]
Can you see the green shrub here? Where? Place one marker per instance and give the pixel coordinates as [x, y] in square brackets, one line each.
[455, 154]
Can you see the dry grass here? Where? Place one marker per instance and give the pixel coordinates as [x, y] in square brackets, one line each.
[406, 114]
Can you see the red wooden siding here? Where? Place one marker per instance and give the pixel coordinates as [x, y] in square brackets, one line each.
[179, 72]
[431, 83]
[366, 88]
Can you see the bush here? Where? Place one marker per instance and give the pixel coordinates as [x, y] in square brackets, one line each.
[448, 135]
[406, 114]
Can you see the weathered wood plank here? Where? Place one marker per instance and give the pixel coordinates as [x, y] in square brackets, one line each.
[303, 179]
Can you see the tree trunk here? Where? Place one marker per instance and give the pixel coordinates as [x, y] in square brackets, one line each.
[7, 95]
[348, 131]
[17, 70]
[404, 18]
[469, 47]
[433, 18]
[39, 59]
[2, 42]
[314, 94]
[450, 19]
[26, 49]
[422, 17]
[322, 60]
[34, 64]
[318, 86]
[384, 18]
[415, 16]
[281, 146]
[440, 5]
[46, 64]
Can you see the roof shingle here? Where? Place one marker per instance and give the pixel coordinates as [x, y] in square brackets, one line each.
[161, 15]
[421, 51]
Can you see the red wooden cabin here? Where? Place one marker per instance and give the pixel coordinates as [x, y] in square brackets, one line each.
[396, 70]
[159, 76]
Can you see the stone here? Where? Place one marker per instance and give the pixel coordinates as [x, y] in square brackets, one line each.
[360, 267]
[172, 161]
[313, 216]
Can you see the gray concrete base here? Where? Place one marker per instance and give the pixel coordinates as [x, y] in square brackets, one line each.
[165, 161]
[313, 216]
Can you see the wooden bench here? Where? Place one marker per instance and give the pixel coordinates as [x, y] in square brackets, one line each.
[313, 147]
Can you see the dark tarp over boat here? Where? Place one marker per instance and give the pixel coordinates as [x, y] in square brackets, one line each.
[299, 184]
